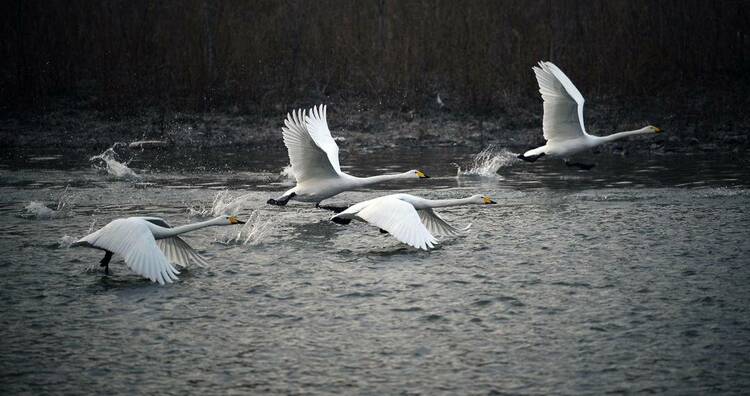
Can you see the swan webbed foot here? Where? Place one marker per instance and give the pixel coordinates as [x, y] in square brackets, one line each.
[530, 158]
[281, 201]
[579, 165]
[104, 262]
[342, 221]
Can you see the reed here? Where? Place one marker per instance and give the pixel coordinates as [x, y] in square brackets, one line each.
[202, 55]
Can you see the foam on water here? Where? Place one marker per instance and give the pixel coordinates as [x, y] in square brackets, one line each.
[111, 164]
[487, 162]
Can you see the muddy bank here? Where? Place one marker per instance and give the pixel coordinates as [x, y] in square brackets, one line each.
[362, 126]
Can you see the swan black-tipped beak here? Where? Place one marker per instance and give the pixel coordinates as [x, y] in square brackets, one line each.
[422, 175]
[491, 202]
[233, 220]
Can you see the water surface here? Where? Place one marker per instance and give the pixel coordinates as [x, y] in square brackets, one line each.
[628, 278]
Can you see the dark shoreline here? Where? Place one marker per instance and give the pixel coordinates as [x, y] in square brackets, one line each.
[372, 127]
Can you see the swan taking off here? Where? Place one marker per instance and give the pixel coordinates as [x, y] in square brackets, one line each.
[149, 245]
[408, 218]
[314, 156]
[563, 119]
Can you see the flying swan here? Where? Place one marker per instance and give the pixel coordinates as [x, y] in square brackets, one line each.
[563, 119]
[409, 218]
[314, 156]
[149, 245]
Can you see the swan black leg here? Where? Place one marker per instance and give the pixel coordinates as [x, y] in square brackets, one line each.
[339, 220]
[579, 165]
[281, 201]
[530, 158]
[105, 261]
[334, 209]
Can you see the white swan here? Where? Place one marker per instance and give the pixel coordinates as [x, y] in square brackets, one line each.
[409, 218]
[563, 119]
[149, 245]
[314, 156]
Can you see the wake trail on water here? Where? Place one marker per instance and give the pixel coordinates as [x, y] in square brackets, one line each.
[487, 162]
[109, 162]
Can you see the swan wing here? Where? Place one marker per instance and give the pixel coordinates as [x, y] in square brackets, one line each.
[180, 252]
[563, 104]
[175, 248]
[132, 239]
[399, 218]
[317, 127]
[436, 225]
[309, 161]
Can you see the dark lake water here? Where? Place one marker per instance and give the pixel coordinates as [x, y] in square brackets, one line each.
[630, 278]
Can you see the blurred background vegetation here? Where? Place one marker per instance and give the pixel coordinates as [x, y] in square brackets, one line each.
[200, 55]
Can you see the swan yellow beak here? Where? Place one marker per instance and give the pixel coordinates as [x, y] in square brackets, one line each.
[233, 220]
[658, 130]
[488, 200]
[421, 175]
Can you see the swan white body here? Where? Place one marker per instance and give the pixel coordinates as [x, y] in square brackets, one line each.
[149, 245]
[408, 218]
[314, 156]
[563, 117]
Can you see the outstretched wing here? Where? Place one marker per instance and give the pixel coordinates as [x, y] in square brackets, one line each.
[436, 225]
[175, 248]
[563, 104]
[132, 239]
[317, 127]
[178, 251]
[397, 217]
[308, 159]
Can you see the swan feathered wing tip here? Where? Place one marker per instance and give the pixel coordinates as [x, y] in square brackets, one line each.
[436, 225]
[180, 252]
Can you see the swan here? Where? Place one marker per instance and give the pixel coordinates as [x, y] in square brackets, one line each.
[563, 119]
[149, 245]
[314, 156]
[409, 218]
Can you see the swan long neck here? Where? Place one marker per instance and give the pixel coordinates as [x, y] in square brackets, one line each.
[620, 135]
[170, 232]
[366, 181]
[441, 203]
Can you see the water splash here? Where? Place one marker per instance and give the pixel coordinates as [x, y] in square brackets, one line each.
[66, 241]
[487, 162]
[288, 175]
[222, 204]
[38, 210]
[41, 211]
[252, 233]
[108, 161]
